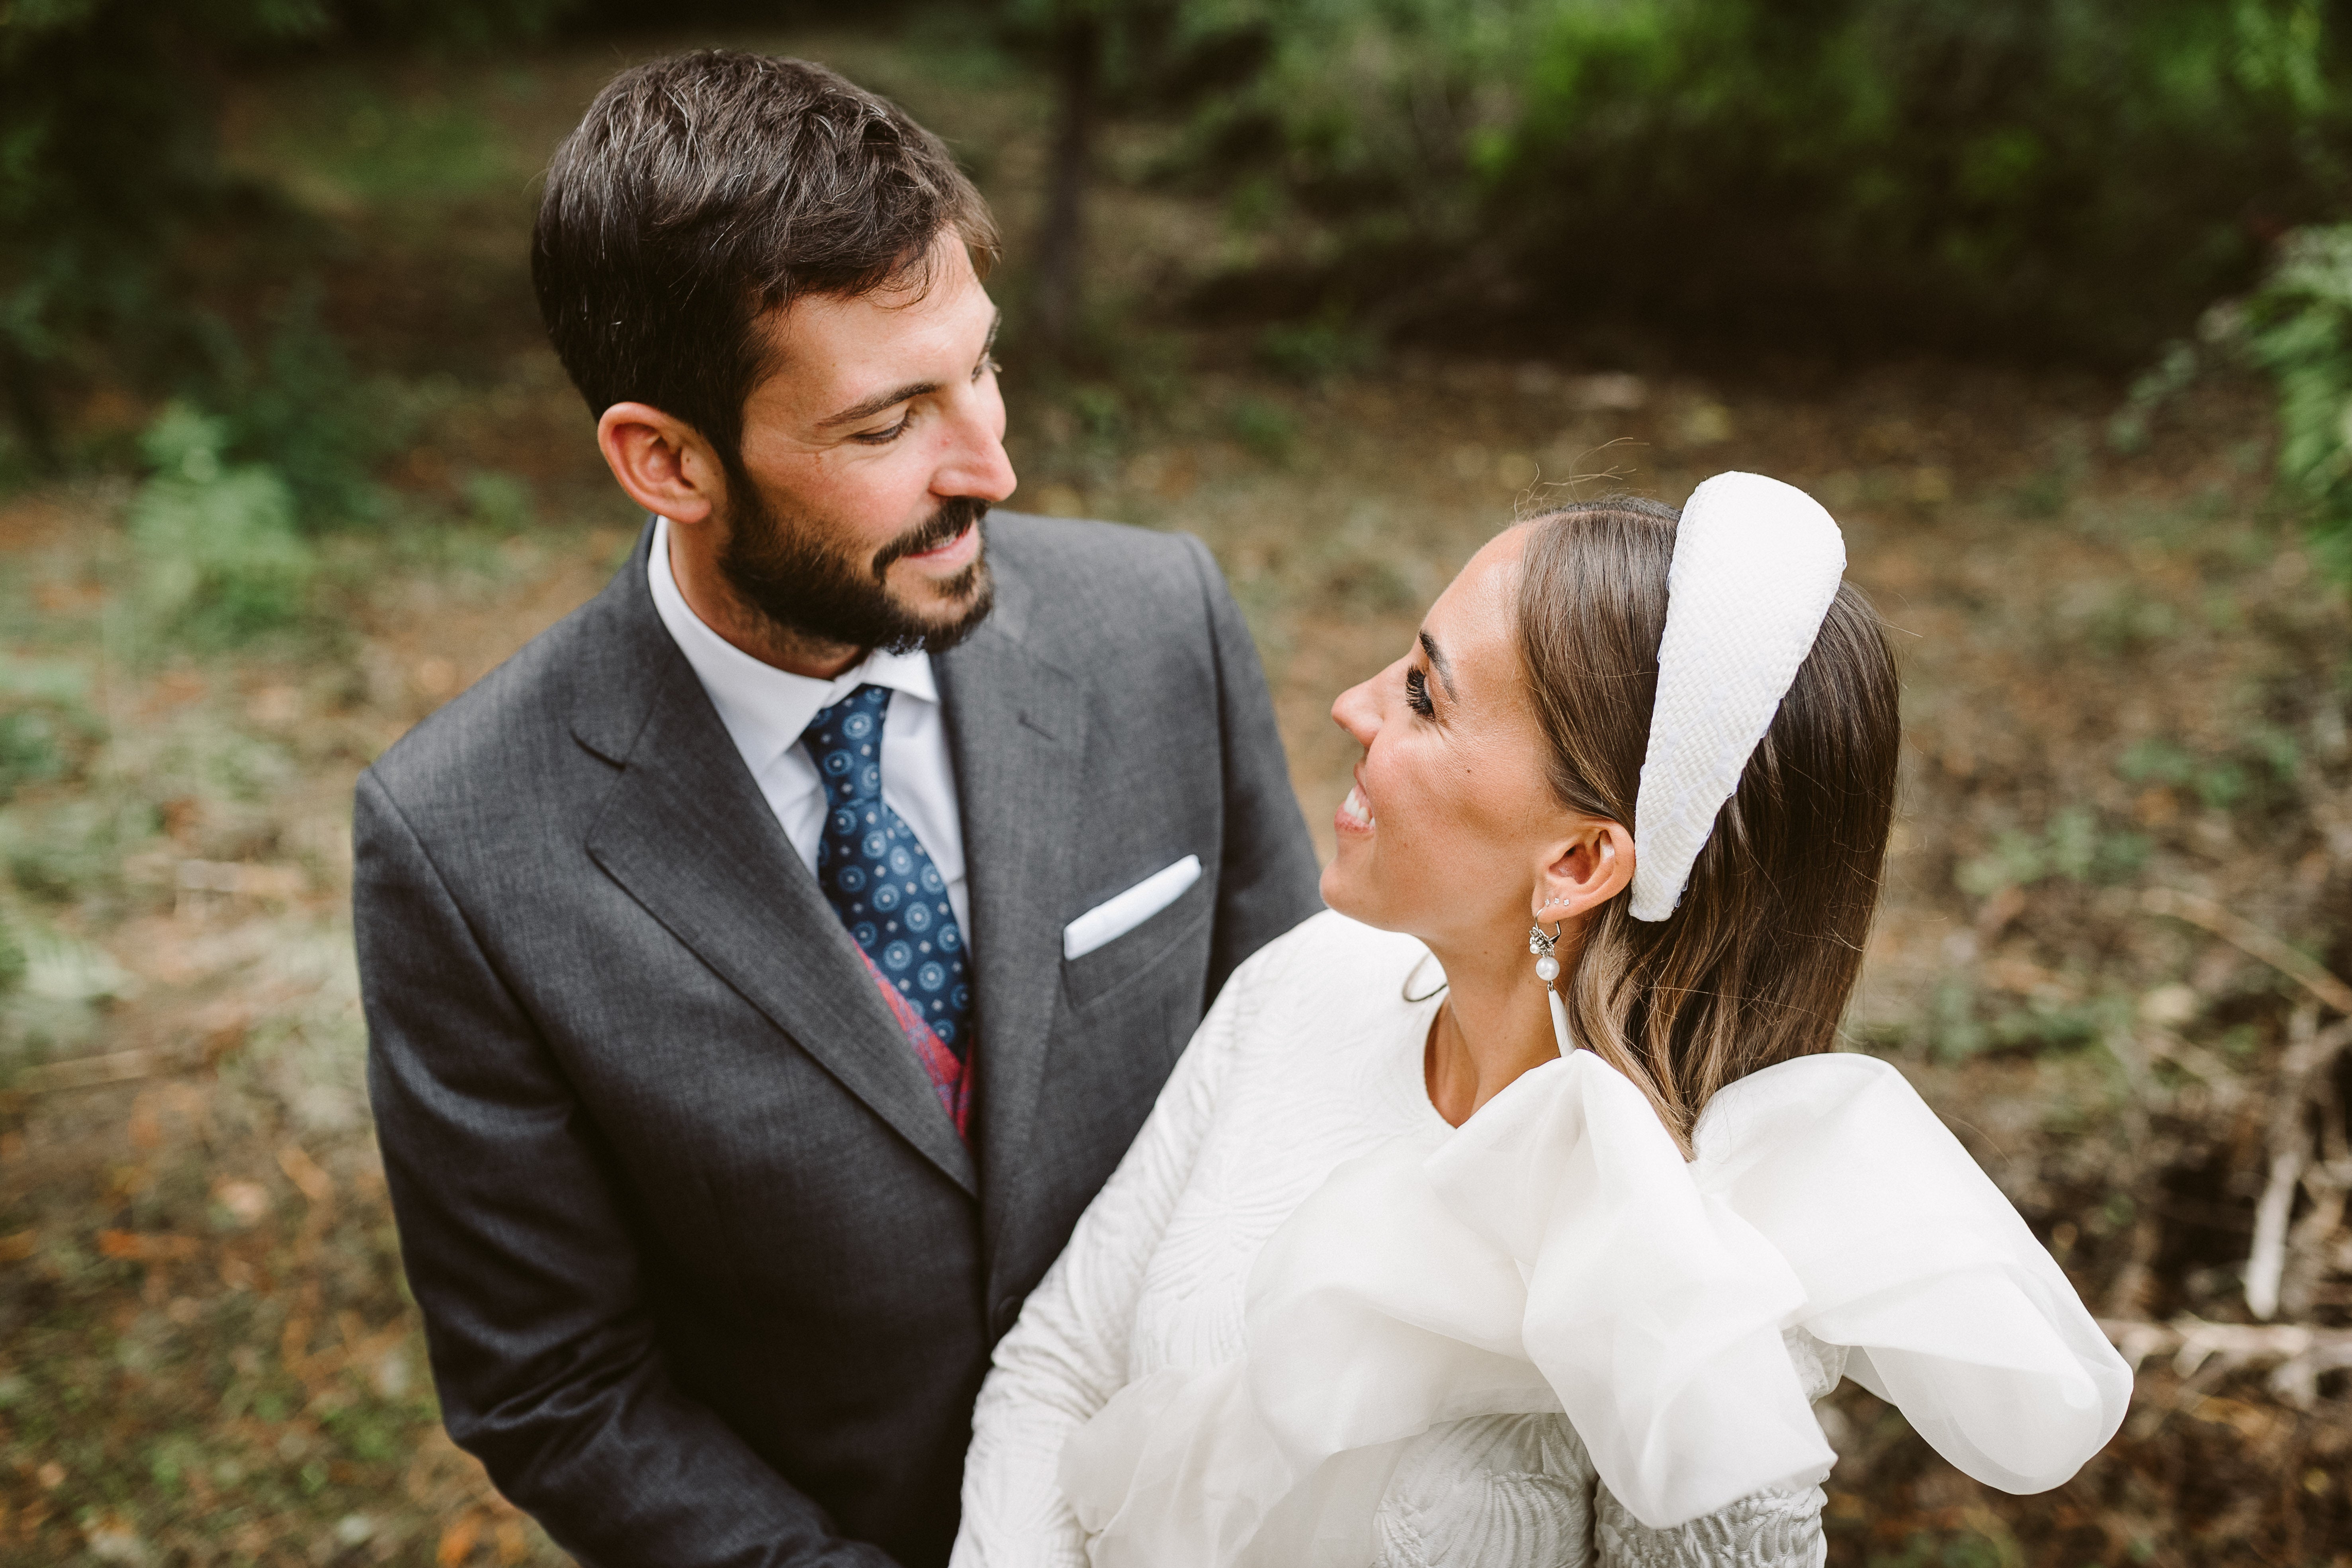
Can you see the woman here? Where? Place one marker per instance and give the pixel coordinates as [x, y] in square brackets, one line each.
[1453, 1241]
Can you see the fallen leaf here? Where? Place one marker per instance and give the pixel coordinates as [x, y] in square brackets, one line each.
[129, 1246]
[306, 1173]
[458, 1541]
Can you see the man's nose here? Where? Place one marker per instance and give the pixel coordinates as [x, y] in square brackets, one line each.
[977, 464]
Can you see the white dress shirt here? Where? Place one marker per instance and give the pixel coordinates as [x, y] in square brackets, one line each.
[766, 709]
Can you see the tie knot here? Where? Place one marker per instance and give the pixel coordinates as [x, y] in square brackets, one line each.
[844, 740]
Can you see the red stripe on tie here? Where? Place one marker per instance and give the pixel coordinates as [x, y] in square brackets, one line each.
[947, 1075]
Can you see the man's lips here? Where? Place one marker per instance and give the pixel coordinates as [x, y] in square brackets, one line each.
[956, 552]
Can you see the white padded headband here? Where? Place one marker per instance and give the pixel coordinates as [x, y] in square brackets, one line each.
[1756, 565]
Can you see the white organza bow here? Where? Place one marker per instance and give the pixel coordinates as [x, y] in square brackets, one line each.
[1556, 1253]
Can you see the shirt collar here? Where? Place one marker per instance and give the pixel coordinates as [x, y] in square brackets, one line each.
[766, 709]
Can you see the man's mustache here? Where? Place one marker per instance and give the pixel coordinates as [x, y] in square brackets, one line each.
[955, 514]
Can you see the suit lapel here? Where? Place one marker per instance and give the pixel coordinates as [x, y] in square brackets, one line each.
[688, 833]
[1017, 726]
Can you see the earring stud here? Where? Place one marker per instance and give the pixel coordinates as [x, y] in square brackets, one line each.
[1546, 966]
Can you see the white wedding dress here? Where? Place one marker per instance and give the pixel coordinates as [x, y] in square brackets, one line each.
[1308, 1323]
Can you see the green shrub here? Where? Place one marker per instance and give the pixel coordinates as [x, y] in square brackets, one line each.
[71, 849]
[30, 751]
[1844, 173]
[1266, 429]
[2258, 775]
[1315, 352]
[12, 957]
[2299, 329]
[300, 407]
[220, 559]
[46, 725]
[498, 501]
[2074, 845]
[111, 182]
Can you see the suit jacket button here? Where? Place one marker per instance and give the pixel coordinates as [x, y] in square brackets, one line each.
[1008, 1312]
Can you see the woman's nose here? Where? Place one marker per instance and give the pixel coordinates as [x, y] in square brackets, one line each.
[1358, 712]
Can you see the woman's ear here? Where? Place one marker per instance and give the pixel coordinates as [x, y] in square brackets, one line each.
[1584, 871]
[663, 462]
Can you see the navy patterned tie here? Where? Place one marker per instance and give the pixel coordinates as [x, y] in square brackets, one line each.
[880, 880]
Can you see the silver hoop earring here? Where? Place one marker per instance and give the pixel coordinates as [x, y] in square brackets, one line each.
[1546, 966]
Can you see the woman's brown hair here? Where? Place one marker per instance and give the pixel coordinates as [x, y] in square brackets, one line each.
[1757, 962]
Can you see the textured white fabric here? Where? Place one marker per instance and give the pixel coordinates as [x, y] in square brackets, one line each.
[1264, 1338]
[1756, 565]
[765, 710]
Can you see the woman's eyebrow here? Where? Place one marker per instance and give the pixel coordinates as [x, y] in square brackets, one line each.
[1438, 662]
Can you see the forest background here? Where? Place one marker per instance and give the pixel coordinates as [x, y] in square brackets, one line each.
[2050, 303]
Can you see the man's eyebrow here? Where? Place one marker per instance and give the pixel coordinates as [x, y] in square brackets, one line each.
[873, 405]
[1437, 659]
[907, 394]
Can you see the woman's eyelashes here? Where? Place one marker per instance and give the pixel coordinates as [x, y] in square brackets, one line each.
[1416, 694]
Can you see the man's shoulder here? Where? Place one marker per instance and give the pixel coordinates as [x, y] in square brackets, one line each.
[515, 725]
[1065, 554]
[1082, 578]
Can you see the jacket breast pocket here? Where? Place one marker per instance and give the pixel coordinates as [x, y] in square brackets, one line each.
[1134, 956]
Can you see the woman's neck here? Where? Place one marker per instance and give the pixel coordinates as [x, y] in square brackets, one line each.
[1495, 1026]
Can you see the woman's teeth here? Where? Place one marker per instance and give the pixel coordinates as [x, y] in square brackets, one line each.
[1354, 809]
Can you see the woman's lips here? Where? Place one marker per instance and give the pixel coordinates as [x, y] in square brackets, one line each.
[1354, 816]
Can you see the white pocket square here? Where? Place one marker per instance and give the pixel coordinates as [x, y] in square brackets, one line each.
[1118, 915]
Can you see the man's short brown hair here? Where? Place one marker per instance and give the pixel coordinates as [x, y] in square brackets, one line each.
[702, 191]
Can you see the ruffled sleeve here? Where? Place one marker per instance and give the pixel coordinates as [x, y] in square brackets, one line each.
[1556, 1253]
[1826, 1195]
[1907, 1253]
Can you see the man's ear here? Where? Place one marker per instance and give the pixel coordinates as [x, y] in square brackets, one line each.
[1584, 870]
[663, 462]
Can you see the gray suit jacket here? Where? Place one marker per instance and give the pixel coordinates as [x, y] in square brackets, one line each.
[706, 1274]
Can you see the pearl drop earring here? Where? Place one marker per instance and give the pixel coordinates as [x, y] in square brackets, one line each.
[1546, 966]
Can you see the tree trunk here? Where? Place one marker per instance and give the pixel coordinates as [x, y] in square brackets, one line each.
[1061, 245]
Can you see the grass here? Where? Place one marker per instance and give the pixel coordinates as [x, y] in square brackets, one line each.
[2119, 674]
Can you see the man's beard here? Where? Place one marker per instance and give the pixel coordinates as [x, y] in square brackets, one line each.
[791, 576]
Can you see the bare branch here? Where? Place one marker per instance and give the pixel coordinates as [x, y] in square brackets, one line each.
[2251, 940]
[2298, 1353]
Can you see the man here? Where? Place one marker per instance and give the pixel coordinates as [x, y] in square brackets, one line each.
[765, 966]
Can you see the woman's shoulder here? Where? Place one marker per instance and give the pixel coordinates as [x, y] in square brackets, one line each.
[1330, 955]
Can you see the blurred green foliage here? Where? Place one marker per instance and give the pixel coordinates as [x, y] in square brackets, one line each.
[2300, 330]
[12, 957]
[2074, 845]
[112, 191]
[220, 556]
[2295, 327]
[1847, 175]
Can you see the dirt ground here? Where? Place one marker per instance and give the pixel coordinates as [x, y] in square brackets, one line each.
[2122, 685]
